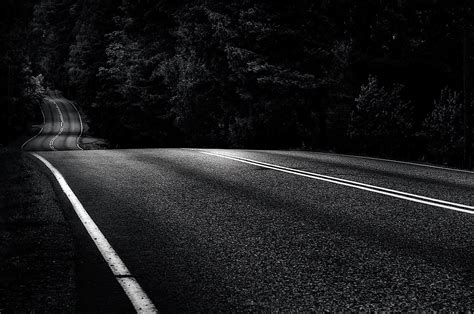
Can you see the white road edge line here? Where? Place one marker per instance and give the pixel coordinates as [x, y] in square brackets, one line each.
[362, 186]
[140, 300]
[400, 162]
[40, 131]
[82, 128]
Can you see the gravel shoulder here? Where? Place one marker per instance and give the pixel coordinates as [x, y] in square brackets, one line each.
[37, 268]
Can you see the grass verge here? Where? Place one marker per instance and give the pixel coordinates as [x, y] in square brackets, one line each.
[36, 246]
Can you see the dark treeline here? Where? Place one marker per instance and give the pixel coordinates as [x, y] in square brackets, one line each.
[385, 78]
[18, 86]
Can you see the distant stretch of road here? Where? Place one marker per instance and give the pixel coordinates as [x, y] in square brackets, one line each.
[62, 126]
[208, 230]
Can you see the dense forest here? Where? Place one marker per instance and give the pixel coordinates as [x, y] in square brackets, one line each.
[383, 78]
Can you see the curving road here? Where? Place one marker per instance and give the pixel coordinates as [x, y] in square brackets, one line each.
[62, 127]
[239, 230]
[243, 230]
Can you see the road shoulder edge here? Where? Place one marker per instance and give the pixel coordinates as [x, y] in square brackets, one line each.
[38, 262]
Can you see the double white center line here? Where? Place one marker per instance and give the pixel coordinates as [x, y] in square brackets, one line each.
[358, 185]
[61, 128]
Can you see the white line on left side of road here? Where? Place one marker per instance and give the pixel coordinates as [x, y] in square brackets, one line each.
[139, 299]
[40, 131]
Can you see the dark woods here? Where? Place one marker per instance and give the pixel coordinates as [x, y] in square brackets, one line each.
[385, 78]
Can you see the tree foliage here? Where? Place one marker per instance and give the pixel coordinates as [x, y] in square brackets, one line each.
[381, 120]
[274, 74]
[442, 128]
[19, 86]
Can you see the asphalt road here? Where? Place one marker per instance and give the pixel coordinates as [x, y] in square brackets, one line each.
[62, 126]
[241, 230]
[204, 233]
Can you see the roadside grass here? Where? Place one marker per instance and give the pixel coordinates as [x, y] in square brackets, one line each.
[36, 246]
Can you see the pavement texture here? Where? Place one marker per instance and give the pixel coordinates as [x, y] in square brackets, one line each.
[203, 233]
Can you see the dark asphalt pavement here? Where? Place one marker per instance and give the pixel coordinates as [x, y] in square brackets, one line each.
[203, 233]
[62, 126]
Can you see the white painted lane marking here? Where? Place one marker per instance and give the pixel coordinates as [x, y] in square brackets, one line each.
[40, 131]
[82, 127]
[358, 185]
[141, 302]
[51, 143]
[379, 159]
[400, 162]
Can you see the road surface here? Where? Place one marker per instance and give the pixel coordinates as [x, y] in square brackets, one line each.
[62, 126]
[241, 230]
[202, 232]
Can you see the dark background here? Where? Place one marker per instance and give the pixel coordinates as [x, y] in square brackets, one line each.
[383, 78]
